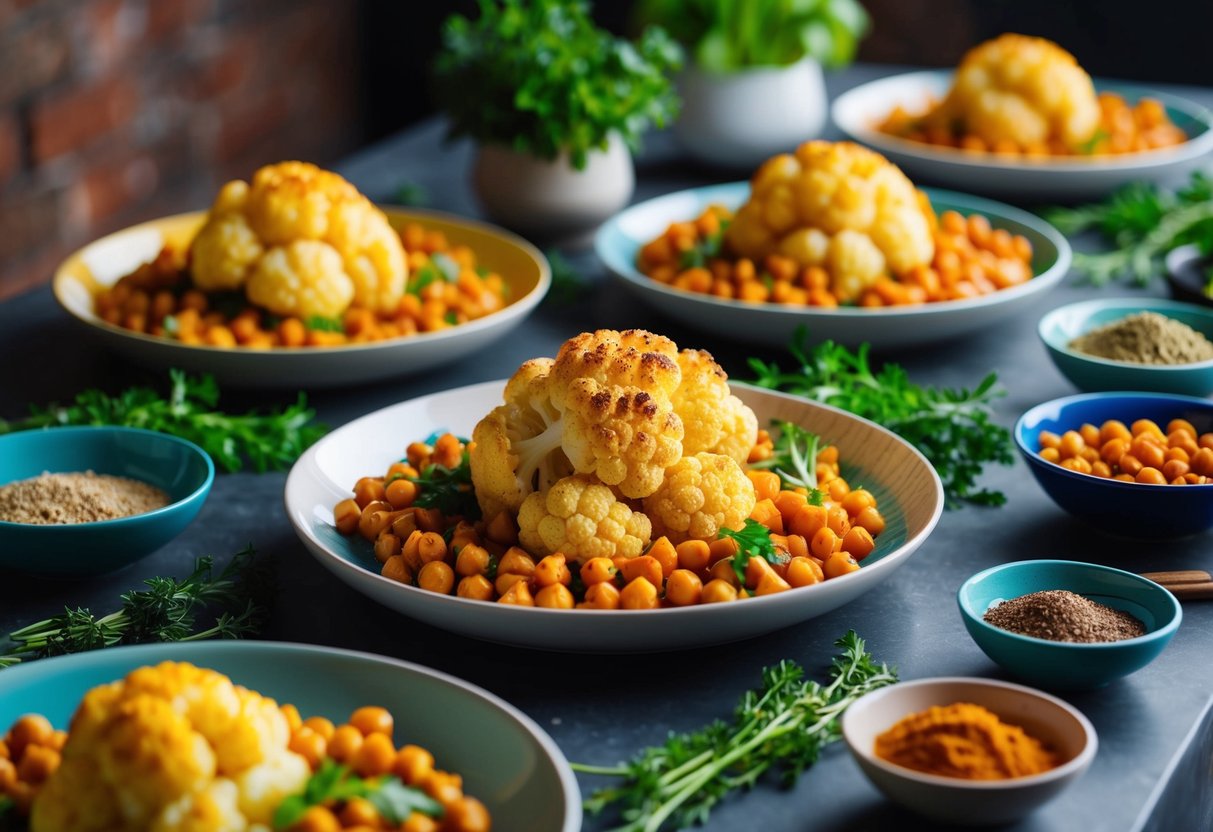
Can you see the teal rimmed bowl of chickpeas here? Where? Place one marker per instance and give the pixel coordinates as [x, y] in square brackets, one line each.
[1135, 465]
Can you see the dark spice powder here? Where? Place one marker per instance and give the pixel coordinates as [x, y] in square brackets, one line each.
[1059, 615]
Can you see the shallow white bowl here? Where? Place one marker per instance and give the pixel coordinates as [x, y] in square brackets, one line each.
[103, 262]
[971, 802]
[857, 112]
[909, 493]
[620, 239]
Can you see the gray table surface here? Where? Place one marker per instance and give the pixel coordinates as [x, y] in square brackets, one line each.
[603, 709]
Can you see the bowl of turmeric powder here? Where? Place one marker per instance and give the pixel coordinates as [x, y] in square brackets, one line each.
[967, 750]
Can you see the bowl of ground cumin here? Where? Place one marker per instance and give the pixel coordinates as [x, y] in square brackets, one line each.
[83, 501]
[1147, 344]
[1066, 625]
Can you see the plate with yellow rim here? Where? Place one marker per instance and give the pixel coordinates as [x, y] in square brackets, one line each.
[102, 263]
[908, 493]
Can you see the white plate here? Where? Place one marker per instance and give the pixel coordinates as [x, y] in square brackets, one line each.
[620, 239]
[505, 759]
[909, 493]
[101, 263]
[857, 112]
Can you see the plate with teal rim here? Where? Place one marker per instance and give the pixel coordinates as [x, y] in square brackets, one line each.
[908, 493]
[620, 239]
[858, 111]
[505, 759]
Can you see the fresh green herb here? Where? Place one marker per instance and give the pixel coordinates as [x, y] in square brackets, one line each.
[953, 428]
[447, 266]
[568, 285]
[1087, 148]
[171, 326]
[451, 318]
[753, 541]
[448, 489]
[269, 440]
[704, 251]
[730, 35]
[324, 324]
[166, 611]
[794, 458]
[540, 77]
[421, 278]
[1143, 222]
[781, 727]
[412, 194]
[335, 783]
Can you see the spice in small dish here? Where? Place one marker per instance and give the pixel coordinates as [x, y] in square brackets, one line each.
[965, 741]
[77, 497]
[1060, 615]
[1146, 338]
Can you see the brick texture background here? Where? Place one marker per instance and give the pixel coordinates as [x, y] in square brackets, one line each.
[117, 111]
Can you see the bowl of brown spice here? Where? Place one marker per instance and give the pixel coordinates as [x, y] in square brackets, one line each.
[1146, 344]
[1067, 625]
[82, 501]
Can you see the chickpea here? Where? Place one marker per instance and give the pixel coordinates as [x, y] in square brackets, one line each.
[1071, 444]
[323, 727]
[716, 591]
[1130, 465]
[1090, 434]
[1151, 476]
[1048, 439]
[603, 596]
[478, 587]
[413, 764]
[598, 570]
[554, 596]
[552, 570]
[683, 588]
[1146, 426]
[317, 819]
[436, 576]
[359, 812]
[804, 572]
[839, 564]
[372, 719]
[466, 814]
[1114, 429]
[639, 594]
[37, 763]
[472, 560]
[443, 786]
[823, 543]
[31, 729]
[375, 756]
[309, 745]
[345, 743]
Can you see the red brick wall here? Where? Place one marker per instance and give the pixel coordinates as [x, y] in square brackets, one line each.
[116, 111]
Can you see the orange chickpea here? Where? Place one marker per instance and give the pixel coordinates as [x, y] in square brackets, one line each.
[31, 729]
[1174, 468]
[554, 596]
[553, 570]
[1146, 426]
[516, 561]
[372, 719]
[346, 515]
[1113, 450]
[716, 591]
[1048, 439]
[1101, 469]
[694, 554]
[519, 594]
[1072, 444]
[1090, 434]
[506, 580]
[1181, 425]
[1202, 462]
[1151, 476]
[1149, 452]
[413, 764]
[597, 570]
[823, 543]
[804, 571]
[344, 744]
[317, 819]
[1129, 464]
[857, 500]
[858, 543]
[683, 588]
[839, 564]
[472, 560]
[872, 520]
[309, 745]
[1050, 455]
[665, 554]
[1077, 463]
[323, 727]
[37, 763]
[603, 596]
[436, 576]
[359, 811]
[639, 594]
[375, 756]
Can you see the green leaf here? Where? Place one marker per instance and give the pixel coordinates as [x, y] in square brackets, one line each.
[447, 266]
[421, 278]
[753, 541]
[396, 801]
[412, 194]
[324, 324]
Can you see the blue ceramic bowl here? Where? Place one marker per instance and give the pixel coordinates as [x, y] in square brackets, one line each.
[1086, 372]
[1062, 665]
[1126, 509]
[180, 468]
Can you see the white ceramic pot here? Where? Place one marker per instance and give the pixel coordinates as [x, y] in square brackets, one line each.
[551, 200]
[740, 119]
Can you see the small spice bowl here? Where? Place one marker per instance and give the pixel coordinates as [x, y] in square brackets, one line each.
[1060, 665]
[1125, 509]
[1058, 725]
[180, 468]
[1092, 374]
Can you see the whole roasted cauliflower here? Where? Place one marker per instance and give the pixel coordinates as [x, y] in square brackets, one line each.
[299, 241]
[171, 748]
[839, 206]
[701, 495]
[1022, 89]
[581, 519]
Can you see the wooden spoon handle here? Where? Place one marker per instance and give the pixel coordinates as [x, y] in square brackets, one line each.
[1185, 584]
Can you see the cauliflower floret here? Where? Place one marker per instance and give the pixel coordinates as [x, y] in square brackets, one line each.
[801, 204]
[1022, 89]
[326, 244]
[581, 519]
[713, 419]
[632, 358]
[701, 495]
[152, 752]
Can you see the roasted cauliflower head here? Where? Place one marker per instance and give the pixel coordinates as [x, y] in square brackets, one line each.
[1022, 89]
[839, 206]
[581, 519]
[171, 748]
[701, 495]
[299, 241]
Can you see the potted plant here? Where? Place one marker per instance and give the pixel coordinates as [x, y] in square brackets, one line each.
[754, 86]
[555, 105]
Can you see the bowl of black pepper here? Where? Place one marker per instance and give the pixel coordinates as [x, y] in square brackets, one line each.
[1147, 344]
[1066, 625]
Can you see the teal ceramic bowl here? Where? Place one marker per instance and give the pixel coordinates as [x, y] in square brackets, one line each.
[506, 760]
[1059, 665]
[180, 468]
[1090, 374]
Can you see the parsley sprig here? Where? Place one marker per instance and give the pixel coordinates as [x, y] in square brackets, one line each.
[335, 783]
[780, 727]
[268, 440]
[449, 489]
[1143, 222]
[753, 541]
[794, 458]
[952, 427]
[167, 610]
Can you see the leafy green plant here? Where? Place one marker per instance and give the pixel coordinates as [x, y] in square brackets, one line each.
[540, 77]
[1143, 223]
[952, 428]
[729, 35]
[269, 440]
[782, 726]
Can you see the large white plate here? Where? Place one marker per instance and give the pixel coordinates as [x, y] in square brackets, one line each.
[909, 493]
[620, 239]
[506, 760]
[101, 263]
[857, 112]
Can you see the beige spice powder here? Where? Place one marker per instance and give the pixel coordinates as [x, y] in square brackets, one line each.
[84, 497]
